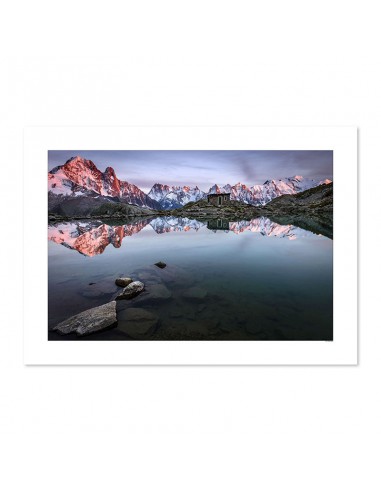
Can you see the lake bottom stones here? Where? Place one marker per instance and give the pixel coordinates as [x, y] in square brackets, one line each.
[137, 322]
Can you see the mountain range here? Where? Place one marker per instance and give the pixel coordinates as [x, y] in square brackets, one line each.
[91, 238]
[80, 177]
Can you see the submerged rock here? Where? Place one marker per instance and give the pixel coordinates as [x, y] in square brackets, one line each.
[195, 293]
[123, 281]
[149, 278]
[89, 321]
[137, 322]
[171, 274]
[153, 294]
[99, 289]
[132, 290]
[187, 329]
[159, 292]
[161, 264]
[184, 311]
[176, 312]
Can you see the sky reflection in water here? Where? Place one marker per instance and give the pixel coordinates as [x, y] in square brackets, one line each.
[264, 281]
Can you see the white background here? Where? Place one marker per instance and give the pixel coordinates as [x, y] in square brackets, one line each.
[199, 62]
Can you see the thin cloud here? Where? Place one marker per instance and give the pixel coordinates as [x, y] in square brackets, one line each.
[204, 168]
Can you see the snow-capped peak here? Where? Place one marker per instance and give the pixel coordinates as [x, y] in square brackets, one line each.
[81, 176]
[171, 197]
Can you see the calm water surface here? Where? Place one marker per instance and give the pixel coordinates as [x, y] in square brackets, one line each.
[245, 280]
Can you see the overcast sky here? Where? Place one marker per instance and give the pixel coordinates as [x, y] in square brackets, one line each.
[204, 168]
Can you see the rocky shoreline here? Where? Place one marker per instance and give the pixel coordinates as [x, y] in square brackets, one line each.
[133, 312]
[124, 311]
[104, 316]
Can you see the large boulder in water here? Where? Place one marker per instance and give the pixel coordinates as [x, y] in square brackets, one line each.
[132, 290]
[94, 319]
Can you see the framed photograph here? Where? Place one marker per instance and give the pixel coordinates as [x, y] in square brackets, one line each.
[190, 245]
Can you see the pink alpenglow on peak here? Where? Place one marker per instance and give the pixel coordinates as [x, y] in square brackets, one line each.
[79, 176]
[262, 194]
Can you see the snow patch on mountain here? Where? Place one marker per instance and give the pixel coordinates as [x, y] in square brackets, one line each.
[175, 224]
[270, 189]
[267, 227]
[79, 176]
[171, 197]
[91, 238]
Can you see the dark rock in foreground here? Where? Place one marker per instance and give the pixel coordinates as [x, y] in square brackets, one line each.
[89, 321]
[159, 292]
[123, 281]
[132, 290]
[154, 294]
[161, 264]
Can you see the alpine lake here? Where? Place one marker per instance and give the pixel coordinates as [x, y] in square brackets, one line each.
[224, 280]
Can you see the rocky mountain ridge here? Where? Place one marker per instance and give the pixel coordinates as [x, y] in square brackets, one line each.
[312, 201]
[80, 177]
[262, 194]
[171, 197]
[318, 200]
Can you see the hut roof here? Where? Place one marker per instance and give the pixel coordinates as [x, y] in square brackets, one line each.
[218, 194]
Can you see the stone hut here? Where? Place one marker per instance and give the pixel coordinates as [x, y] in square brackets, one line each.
[218, 224]
[218, 198]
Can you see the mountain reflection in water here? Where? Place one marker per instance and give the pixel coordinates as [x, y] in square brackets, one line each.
[90, 238]
[259, 279]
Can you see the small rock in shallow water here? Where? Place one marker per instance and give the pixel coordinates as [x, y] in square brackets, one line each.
[161, 264]
[137, 322]
[132, 290]
[123, 281]
[89, 321]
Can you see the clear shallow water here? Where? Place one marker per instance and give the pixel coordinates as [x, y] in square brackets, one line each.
[246, 280]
